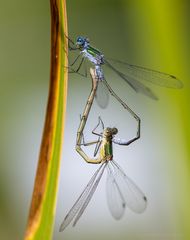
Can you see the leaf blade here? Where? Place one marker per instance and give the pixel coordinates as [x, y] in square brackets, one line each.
[42, 211]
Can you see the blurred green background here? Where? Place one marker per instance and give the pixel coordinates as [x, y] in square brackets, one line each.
[154, 34]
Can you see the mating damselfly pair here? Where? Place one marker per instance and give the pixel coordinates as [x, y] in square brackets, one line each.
[133, 75]
[121, 190]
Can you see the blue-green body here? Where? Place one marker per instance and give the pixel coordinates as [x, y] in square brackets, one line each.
[93, 55]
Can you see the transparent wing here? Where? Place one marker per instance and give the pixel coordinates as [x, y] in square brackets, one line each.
[115, 199]
[134, 197]
[102, 95]
[153, 76]
[133, 75]
[133, 83]
[81, 200]
[89, 196]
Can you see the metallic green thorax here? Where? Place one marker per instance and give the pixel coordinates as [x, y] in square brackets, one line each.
[106, 151]
[93, 51]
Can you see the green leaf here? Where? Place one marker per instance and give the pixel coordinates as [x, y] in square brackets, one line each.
[43, 204]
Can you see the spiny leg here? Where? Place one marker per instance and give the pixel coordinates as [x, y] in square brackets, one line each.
[71, 64]
[80, 64]
[98, 142]
[83, 142]
[79, 67]
[71, 48]
[99, 122]
[76, 59]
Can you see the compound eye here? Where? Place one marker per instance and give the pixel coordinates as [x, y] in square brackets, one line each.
[79, 39]
[114, 131]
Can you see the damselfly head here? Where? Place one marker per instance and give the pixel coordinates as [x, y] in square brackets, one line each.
[109, 132]
[82, 41]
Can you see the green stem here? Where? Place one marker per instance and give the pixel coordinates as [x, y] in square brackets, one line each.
[43, 204]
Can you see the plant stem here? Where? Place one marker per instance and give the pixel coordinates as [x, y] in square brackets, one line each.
[42, 210]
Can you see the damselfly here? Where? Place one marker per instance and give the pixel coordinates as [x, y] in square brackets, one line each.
[133, 75]
[121, 190]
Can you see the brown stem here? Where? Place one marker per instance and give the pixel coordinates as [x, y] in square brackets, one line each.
[40, 185]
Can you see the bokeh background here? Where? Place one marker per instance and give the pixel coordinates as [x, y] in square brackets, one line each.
[150, 33]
